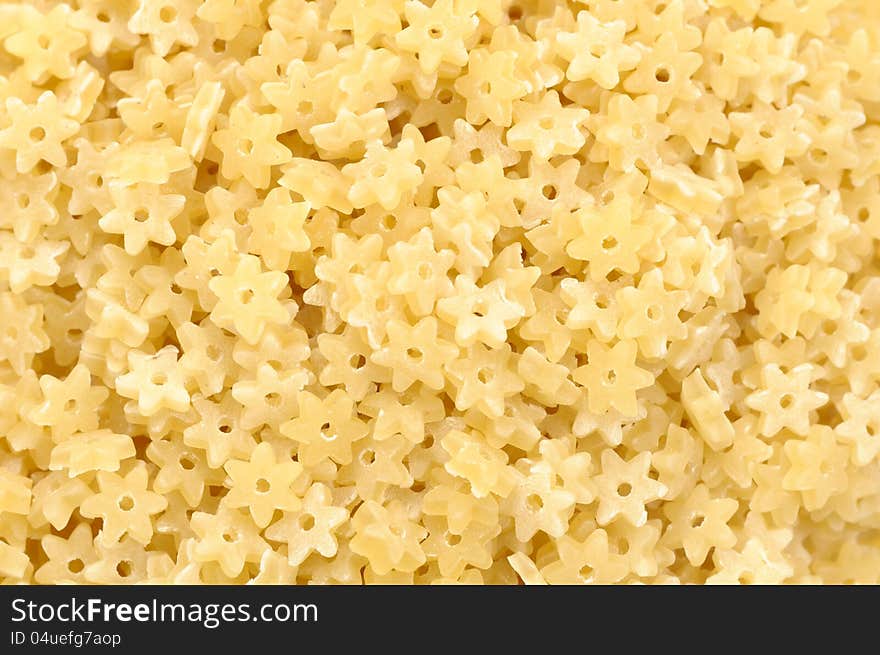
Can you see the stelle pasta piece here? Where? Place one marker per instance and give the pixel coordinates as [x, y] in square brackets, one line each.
[440, 291]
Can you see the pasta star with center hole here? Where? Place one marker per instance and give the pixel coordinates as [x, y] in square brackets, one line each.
[125, 505]
[248, 299]
[312, 528]
[612, 377]
[263, 484]
[624, 488]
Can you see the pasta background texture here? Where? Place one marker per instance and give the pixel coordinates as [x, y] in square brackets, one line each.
[450, 291]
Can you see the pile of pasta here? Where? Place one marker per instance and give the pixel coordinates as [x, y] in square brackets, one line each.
[450, 291]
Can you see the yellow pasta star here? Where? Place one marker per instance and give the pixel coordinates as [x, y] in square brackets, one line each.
[154, 382]
[786, 399]
[100, 450]
[37, 131]
[437, 34]
[624, 488]
[142, 214]
[415, 353]
[609, 238]
[699, 523]
[490, 86]
[612, 377]
[165, 23]
[310, 529]
[596, 51]
[249, 146]
[817, 466]
[47, 44]
[248, 299]
[263, 484]
[228, 538]
[125, 505]
[325, 429]
[387, 538]
[650, 314]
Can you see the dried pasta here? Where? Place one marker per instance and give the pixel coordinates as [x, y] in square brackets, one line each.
[440, 291]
